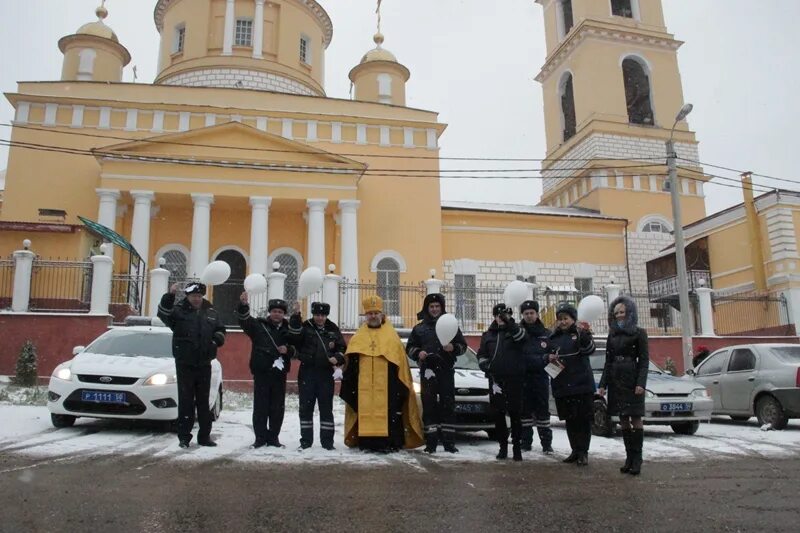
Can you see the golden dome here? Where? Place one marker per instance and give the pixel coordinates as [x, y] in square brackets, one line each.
[98, 28]
[378, 53]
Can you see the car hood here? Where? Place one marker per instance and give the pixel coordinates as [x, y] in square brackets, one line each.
[664, 383]
[114, 365]
[465, 379]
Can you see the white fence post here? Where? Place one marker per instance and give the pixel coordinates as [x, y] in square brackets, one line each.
[706, 311]
[276, 282]
[102, 268]
[159, 285]
[23, 267]
[433, 286]
[330, 291]
[612, 292]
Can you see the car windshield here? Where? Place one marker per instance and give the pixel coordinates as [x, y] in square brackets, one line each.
[133, 344]
[787, 354]
[466, 361]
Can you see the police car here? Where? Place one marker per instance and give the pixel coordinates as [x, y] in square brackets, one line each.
[472, 409]
[127, 372]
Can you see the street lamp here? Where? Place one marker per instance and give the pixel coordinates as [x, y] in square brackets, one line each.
[680, 252]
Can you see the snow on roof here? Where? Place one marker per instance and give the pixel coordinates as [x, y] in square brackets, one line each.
[528, 209]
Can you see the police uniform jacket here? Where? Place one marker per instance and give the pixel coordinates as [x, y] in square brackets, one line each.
[266, 337]
[196, 333]
[502, 351]
[313, 343]
[573, 347]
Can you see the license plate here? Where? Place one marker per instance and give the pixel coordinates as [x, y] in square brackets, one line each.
[472, 407]
[104, 396]
[673, 407]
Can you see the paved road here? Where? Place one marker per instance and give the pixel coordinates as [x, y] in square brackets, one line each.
[140, 493]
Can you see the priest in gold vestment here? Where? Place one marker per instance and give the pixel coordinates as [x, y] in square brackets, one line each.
[381, 407]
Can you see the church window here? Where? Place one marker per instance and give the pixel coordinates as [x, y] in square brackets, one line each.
[565, 18]
[244, 32]
[385, 88]
[568, 107]
[655, 226]
[584, 287]
[176, 263]
[622, 8]
[305, 50]
[86, 64]
[388, 285]
[637, 92]
[466, 296]
[180, 38]
[291, 267]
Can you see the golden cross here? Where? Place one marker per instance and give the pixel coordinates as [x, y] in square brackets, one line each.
[378, 11]
[373, 345]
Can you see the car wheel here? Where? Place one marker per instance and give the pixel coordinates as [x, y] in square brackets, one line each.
[217, 409]
[602, 425]
[737, 418]
[770, 411]
[63, 421]
[685, 428]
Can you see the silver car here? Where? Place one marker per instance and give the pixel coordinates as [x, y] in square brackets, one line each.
[761, 380]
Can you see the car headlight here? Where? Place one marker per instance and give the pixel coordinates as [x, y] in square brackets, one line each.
[417, 387]
[63, 373]
[700, 393]
[649, 394]
[160, 379]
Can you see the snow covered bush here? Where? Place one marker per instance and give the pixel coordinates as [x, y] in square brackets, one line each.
[26, 371]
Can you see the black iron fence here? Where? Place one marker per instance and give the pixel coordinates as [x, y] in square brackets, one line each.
[61, 285]
[6, 282]
[752, 314]
[127, 292]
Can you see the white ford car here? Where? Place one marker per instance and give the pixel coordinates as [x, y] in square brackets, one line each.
[127, 373]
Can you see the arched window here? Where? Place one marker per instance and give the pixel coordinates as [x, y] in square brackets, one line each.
[564, 17]
[567, 106]
[86, 64]
[654, 224]
[385, 88]
[177, 264]
[226, 296]
[637, 92]
[290, 267]
[388, 285]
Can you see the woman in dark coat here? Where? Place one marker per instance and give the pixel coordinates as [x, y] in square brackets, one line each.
[625, 374]
[573, 387]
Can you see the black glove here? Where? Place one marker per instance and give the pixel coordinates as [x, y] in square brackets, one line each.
[483, 364]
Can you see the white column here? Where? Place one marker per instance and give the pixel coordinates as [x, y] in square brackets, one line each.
[433, 286]
[349, 258]
[23, 266]
[612, 292]
[107, 212]
[258, 30]
[793, 304]
[275, 284]
[316, 233]
[706, 311]
[259, 233]
[159, 285]
[230, 25]
[102, 268]
[330, 294]
[140, 233]
[201, 230]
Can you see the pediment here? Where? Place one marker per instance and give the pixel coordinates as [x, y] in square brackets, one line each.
[230, 142]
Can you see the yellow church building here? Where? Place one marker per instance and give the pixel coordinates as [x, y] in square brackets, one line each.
[235, 152]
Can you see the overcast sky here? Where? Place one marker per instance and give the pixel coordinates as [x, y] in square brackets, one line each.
[476, 66]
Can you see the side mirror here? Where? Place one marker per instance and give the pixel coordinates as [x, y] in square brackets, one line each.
[690, 372]
[78, 349]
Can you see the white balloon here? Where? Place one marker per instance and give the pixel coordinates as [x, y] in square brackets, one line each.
[446, 328]
[255, 284]
[310, 282]
[216, 273]
[591, 308]
[516, 292]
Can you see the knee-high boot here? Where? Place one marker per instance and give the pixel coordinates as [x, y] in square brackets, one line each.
[626, 437]
[637, 441]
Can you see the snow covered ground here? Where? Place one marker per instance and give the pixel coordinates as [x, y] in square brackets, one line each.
[26, 429]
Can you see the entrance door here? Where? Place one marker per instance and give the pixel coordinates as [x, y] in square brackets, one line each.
[226, 296]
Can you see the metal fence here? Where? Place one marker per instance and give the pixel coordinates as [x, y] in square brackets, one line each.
[127, 292]
[61, 285]
[752, 314]
[6, 282]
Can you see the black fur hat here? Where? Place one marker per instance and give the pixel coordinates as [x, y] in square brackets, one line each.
[320, 308]
[499, 308]
[434, 297]
[195, 288]
[568, 308]
[277, 303]
[529, 304]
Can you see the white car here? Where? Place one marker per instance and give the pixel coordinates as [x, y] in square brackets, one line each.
[126, 373]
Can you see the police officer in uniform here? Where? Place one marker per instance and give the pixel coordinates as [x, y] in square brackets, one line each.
[573, 388]
[537, 383]
[270, 360]
[502, 357]
[437, 374]
[197, 332]
[320, 349]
